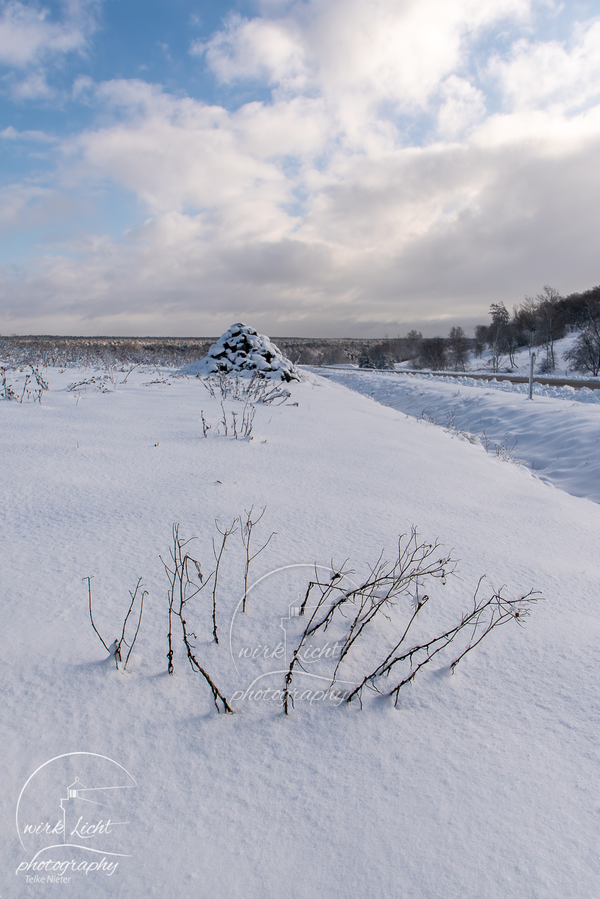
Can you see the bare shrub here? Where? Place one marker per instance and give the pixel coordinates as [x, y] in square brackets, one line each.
[6, 388]
[355, 611]
[546, 366]
[103, 383]
[485, 615]
[246, 390]
[119, 642]
[250, 392]
[34, 384]
[186, 582]
[233, 425]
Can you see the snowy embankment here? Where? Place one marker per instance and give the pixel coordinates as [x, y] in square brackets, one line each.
[480, 784]
[556, 435]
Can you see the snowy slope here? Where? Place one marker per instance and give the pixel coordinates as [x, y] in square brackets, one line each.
[483, 363]
[522, 360]
[556, 435]
[481, 784]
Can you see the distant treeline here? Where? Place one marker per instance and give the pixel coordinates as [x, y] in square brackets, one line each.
[56, 351]
[538, 322]
[62, 352]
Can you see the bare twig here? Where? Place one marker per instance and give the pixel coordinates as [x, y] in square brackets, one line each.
[486, 615]
[224, 419]
[248, 414]
[124, 381]
[89, 580]
[247, 526]
[225, 534]
[115, 649]
[131, 605]
[315, 622]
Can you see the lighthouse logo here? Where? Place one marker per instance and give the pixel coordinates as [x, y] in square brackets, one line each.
[274, 623]
[74, 817]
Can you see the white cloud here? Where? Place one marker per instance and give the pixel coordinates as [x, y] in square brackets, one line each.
[34, 87]
[254, 49]
[184, 156]
[27, 34]
[11, 133]
[384, 50]
[419, 235]
[373, 182]
[371, 64]
[463, 106]
[24, 206]
[564, 75]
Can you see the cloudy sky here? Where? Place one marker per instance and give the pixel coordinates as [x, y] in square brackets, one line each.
[312, 167]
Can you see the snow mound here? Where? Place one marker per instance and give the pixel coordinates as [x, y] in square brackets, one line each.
[242, 350]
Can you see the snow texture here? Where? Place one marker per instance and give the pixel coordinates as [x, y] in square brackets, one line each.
[557, 435]
[242, 350]
[480, 785]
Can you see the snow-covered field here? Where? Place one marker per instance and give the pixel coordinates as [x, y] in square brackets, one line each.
[479, 785]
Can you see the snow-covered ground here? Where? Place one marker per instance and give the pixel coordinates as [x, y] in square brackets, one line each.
[556, 435]
[480, 785]
[522, 360]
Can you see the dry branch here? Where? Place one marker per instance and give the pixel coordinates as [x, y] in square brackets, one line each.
[417, 563]
[115, 649]
[182, 588]
[247, 525]
[225, 534]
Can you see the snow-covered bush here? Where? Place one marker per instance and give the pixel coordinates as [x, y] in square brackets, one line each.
[242, 350]
[30, 388]
[375, 359]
